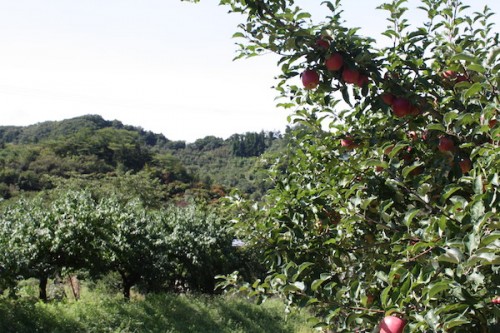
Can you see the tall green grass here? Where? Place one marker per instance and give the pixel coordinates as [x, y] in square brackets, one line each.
[165, 313]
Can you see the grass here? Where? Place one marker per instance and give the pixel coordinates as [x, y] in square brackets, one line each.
[165, 313]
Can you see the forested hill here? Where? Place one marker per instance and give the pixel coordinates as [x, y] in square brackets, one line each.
[41, 156]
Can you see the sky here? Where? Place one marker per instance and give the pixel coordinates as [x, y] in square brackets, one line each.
[164, 65]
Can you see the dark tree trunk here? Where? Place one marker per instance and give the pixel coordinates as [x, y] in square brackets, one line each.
[42, 286]
[127, 283]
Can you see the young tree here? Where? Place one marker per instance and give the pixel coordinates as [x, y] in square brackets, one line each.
[389, 204]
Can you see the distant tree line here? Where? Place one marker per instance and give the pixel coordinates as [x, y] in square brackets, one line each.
[37, 157]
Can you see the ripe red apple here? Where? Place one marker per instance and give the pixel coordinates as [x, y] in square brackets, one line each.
[310, 78]
[491, 123]
[461, 78]
[401, 107]
[496, 300]
[446, 144]
[362, 80]
[414, 110]
[348, 143]
[449, 75]
[350, 75]
[334, 62]
[465, 165]
[387, 98]
[392, 324]
[321, 43]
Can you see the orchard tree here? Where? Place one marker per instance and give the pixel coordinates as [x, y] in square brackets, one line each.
[387, 213]
[40, 237]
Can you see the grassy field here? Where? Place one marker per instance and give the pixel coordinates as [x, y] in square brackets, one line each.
[166, 313]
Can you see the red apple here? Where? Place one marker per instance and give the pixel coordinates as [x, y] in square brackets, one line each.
[334, 62]
[461, 78]
[465, 165]
[392, 324]
[449, 75]
[310, 78]
[412, 135]
[387, 98]
[414, 111]
[321, 43]
[446, 144]
[348, 143]
[362, 80]
[350, 75]
[401, 107]
[492, 123]
[496, 300]
[369, 299]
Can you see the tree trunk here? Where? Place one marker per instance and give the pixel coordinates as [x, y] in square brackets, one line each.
[42, 286]
[127, 283]
[126, 290]
[75, 286]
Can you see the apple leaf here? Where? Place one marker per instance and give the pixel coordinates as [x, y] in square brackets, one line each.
[474, 89]
[452, 255]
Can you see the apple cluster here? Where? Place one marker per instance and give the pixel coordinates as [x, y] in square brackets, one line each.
[400, 105]
[334, 62]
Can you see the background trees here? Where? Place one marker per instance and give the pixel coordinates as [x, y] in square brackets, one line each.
[389, 202]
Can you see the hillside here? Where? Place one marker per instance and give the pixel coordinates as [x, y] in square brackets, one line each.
[43, 155]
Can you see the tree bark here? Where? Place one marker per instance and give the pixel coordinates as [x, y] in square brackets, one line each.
[75, 286]
[42, 286]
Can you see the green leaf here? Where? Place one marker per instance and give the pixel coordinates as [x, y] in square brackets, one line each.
[316, 284]
[438, 287]
[476, 67]
[384, 297]
[452, 255]
[410, 215]
[474, 89]
[449, 190]
[465, 57]
[436, 127]
[300, 285]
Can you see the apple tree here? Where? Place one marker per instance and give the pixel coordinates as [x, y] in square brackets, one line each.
[388, 204]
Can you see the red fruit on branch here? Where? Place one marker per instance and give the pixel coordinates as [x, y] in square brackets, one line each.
[310, 78]
[322, 43]
[348, 143]
[350, 75]
[465, 165]
[496, 300]
[401, 107]
[446, 144]
[387, 98]
[461, 78]
[334, 62]
[362, 81]
[449, 75]
[392, 324]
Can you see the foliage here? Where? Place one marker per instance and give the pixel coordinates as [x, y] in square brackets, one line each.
[89, 148]
[376, 212]
[179, 248]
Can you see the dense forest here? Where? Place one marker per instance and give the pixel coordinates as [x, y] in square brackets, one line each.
[44, 155]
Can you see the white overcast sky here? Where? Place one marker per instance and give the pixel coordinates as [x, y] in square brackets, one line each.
[164, 65]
